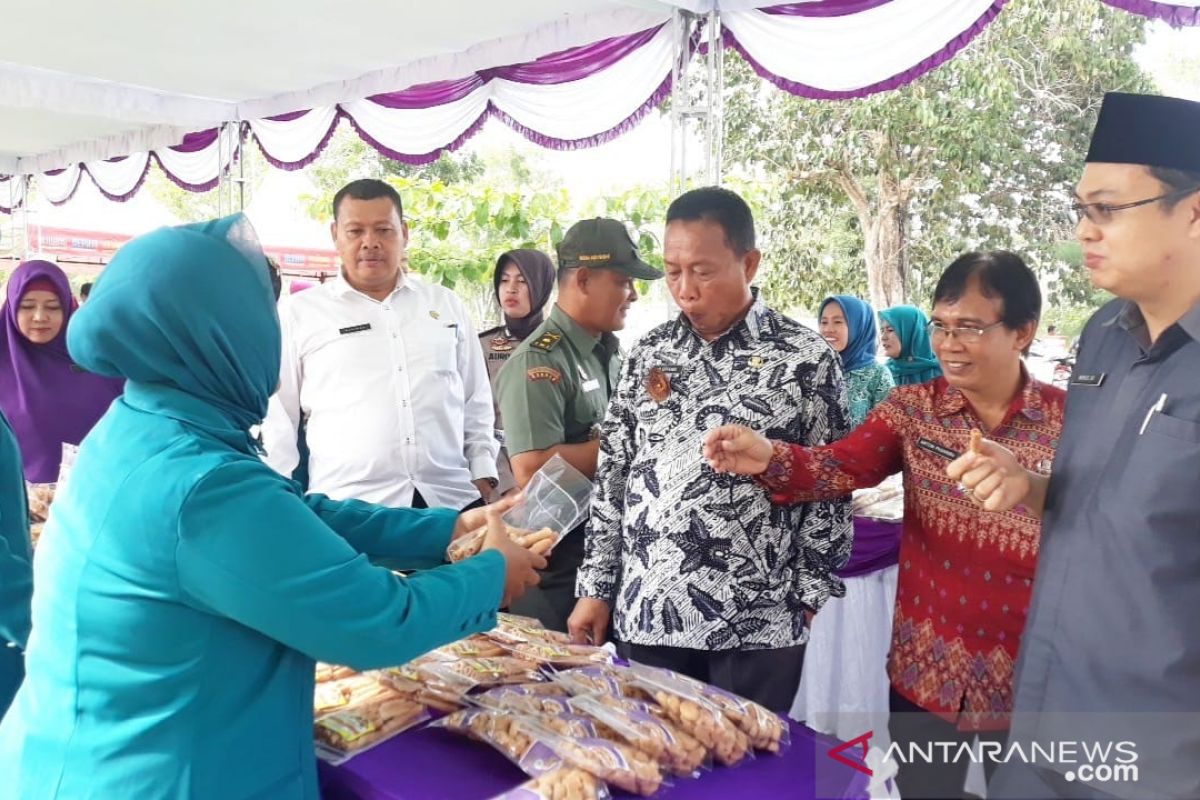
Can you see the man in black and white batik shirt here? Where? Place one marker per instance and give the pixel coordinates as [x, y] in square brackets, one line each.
[700, 572]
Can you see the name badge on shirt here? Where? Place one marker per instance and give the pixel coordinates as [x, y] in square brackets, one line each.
[1093, 380]
[591, 385]
[366, 326]
[937, 449]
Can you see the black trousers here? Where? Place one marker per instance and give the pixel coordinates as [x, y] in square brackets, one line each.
[419, 502]
[768, 677]
[911, 724]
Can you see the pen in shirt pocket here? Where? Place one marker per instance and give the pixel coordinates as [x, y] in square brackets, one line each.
[1157, 408]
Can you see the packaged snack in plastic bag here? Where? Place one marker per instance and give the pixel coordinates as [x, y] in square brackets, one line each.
[348, 732]
[509, 618]
[539, 541]
[500, 730]
[565, 783]
[694, 714]
[69, 453]
[40, 497]
[472, 647]
[494, 671]
[518, 698]
[616, 681]
[637, 725]
[556, 498]
[508, 633]
[332, 672]
[561, 655]
[334, 695]
[616, 764]
[766, 730]
[553, 503]
[425, 681]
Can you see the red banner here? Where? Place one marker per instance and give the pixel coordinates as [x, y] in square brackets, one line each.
[95, 247]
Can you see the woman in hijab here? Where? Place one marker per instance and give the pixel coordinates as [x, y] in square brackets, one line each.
[16, 570]
[905, 339]
[848, 324]
[46, 397]
[523, 281]
[185, 589]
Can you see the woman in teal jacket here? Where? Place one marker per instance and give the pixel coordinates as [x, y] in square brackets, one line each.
[184, 589]
[16, 570]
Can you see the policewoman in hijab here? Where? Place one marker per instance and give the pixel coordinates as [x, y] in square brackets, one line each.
[183, 588]
[904, 333]
[523, 282]
[16, 567]
[48, 399]
[848, 324]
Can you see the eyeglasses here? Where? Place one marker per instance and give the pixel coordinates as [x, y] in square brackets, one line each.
[966, 335]
[1101, 213]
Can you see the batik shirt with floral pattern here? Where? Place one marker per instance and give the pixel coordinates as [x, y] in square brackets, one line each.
[966, 575]
[689, 558]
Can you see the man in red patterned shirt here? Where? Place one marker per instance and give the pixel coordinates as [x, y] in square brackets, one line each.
[965, 575]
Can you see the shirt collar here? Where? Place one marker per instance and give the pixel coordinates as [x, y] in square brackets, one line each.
[341, 287]
[1128, 317]
[581, 340]
[1028, 402]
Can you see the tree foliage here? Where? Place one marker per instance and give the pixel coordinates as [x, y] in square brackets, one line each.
[983, 152]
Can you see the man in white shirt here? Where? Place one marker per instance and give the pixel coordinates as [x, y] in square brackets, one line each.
[384, 371]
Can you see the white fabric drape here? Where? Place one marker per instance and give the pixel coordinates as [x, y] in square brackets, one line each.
[842, 54]
[564, 112]
[292, 141]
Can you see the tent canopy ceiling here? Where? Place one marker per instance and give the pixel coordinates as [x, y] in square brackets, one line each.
[116, 68]
[106, 90]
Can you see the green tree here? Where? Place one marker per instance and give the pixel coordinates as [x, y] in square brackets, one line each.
[981, 152]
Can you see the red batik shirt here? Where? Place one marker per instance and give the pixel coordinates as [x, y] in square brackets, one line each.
[966, 575]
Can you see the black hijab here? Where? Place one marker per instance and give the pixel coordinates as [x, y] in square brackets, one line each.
[538, 271]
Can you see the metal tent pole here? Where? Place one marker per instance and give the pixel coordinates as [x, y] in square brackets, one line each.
[697, 118]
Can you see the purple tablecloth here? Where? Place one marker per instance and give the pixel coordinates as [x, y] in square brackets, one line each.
[432, 764]
[876, 546]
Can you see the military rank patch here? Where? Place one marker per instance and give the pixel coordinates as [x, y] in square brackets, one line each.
[544, 374]
[547, 341]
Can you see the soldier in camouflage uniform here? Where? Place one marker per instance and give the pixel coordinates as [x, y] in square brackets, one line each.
[554, 389]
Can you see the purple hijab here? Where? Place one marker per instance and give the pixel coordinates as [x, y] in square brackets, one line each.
[47, 398]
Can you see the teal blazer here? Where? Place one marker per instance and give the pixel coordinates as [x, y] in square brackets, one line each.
[183, 589]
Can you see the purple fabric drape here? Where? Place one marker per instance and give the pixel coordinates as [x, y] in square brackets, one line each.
[1175, 16]
[841, 7]
[48, 399]
[579, 62]
[575, 63]
[428, 95]
[561, 67]
[192, 143]
[876, 546]
[289, 166]
[826, 8]
[119, 198]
